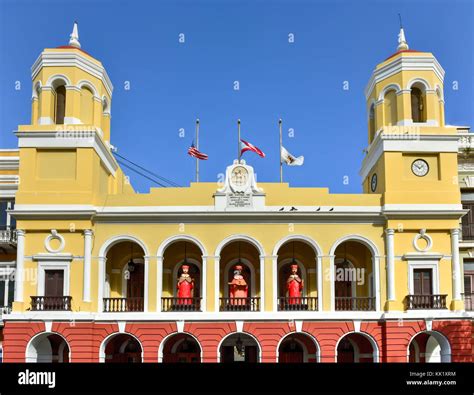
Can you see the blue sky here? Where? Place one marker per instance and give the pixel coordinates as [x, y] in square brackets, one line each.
[247, 41]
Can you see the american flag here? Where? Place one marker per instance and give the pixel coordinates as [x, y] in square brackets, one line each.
[194, 152]
[246, 146]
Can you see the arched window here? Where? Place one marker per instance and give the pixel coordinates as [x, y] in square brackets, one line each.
[371, 123]
[390, 108]
[60, 104]
[418, 110]
[87, 105]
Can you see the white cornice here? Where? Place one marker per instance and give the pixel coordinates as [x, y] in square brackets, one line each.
[404, 63]
[78, 139]
[9, 162]
[237, 316]
[72, 59]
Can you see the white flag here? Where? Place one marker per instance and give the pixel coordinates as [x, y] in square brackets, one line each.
[289, 159]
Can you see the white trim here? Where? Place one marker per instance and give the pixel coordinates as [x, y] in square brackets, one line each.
[239, 237]
[72, 58]
[89, 85]
[305, 350]
[106, 340]
[375, 265]
[53, 265]
[259, 359]
[442, 314]
[52, 79]
[372, 341]
[104, 249]
[442, 341]
[423, 264]
[420, 80]
[392, 86]
[404, 63]
[401, 142]
[60, 139]
[170, 335]
[46, 334]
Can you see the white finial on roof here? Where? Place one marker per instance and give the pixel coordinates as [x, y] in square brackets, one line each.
[74, 37]
[402, 42]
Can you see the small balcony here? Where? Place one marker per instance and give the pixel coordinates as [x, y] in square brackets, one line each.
[8, 237]
[298, 304]
[422, 302]
[360, 303]
[181, 304]
[5, 310]
[123, 305]
[239, 304]
[468, 301]
[51, 303]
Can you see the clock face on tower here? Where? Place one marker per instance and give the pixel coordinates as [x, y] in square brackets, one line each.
[373, 182]
[239, 176]
[420, 168]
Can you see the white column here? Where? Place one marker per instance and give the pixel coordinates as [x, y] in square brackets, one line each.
[100, 286]
[159, 282]
[204, 284]
[332, 279]
[319, 274]
[87, 265]
[20, 263]
[262, 282]
[455, 264]
[275, 282]
[389, 239]
[217, 265]
[146, 287]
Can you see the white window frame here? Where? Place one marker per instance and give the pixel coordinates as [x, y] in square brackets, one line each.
[5, 272]
[53, 265]
[425, 264]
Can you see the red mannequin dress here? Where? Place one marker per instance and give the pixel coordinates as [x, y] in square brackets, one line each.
[185, 287]
[294, 286]
[238, 287]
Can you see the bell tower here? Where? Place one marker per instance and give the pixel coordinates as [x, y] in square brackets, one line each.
[65, 152]
[412, 155]
[70, 87]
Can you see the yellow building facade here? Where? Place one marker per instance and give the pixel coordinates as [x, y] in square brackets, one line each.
[97, 264]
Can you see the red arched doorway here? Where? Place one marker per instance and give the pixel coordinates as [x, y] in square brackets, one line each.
[123, 348]
[297, 348]
[181, 348]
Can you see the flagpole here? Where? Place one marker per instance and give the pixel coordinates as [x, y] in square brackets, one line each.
[197, 147]
[281, 163]
[238, 140]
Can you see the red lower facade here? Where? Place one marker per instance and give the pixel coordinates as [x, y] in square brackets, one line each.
[264, 341]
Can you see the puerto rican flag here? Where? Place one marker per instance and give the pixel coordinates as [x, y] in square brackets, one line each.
[246, 146]
[194, 152]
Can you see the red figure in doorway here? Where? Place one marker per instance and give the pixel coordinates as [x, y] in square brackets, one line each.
[185, 286]
[295, 285]
[238, 287]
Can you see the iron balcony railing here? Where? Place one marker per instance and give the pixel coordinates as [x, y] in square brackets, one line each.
[123, 305]
[416, 302]
[51, 303]
[239, 304]
[468, 301]
[181, 304]
[298, 304]
[359, 303]
[8, 236]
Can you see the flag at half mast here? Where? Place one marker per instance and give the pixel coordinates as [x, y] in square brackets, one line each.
[289, 159]
[246, 146]
[194, 152]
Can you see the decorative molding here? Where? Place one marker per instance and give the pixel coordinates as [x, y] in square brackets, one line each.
[54, 236]
[88, 138]
[72, 58]
[423, 235]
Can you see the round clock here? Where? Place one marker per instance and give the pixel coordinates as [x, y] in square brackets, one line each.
[420, 168]
[373, 182]
[239, 176]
